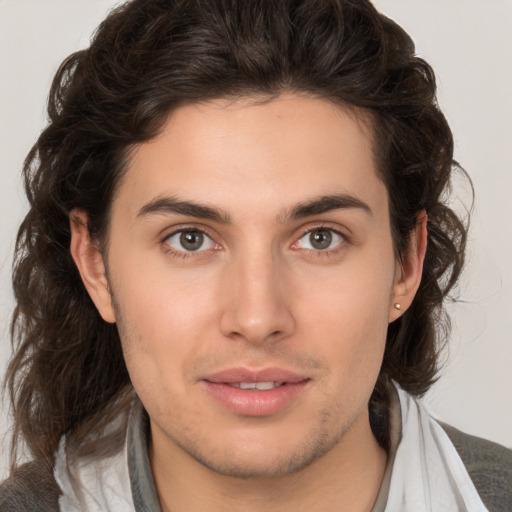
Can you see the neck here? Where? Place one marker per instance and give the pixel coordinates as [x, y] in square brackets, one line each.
[348, 477]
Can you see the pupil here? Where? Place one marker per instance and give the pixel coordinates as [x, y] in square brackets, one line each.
[191, 240]
[320, 239]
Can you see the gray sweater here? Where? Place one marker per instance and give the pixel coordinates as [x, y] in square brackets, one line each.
[33, 488]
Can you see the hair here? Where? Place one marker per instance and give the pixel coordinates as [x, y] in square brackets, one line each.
[67, 374]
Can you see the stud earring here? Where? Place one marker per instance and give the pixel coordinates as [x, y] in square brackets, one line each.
[398, 306]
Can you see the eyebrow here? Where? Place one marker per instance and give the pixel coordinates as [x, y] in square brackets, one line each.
[323, 204]
[166, 205]
[326, 204]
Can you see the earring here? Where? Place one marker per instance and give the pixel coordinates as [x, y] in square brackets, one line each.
[398, 306]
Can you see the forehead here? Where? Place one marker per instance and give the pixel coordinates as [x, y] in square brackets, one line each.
[262, 155]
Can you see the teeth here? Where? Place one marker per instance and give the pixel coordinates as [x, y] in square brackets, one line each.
[261, 386]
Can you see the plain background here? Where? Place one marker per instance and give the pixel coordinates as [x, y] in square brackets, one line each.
[469, 44]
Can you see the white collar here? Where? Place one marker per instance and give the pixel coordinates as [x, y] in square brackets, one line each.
[425, 472]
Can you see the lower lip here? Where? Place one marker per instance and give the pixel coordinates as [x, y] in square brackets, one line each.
[255, 402]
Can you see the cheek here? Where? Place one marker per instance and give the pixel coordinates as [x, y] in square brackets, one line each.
[347, 315]
[355, 297]
[162, 300]
[352, 339]
[162, 317]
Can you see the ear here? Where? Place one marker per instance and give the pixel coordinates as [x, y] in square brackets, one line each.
[89, 261]
[409, 270]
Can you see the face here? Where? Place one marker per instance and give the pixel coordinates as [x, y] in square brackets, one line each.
[253, 278]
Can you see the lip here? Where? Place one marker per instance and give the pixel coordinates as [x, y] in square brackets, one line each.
[232, 375]
[255, 402]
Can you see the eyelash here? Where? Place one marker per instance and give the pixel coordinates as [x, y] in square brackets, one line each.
[318, 253]
[191, 254]
[186, 254]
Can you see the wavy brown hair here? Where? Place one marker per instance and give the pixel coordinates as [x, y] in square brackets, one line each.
[67, 374]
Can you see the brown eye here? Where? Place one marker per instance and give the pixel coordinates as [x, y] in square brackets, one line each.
[191, 240]
[320, 239]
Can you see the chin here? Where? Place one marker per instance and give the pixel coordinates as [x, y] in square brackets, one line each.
[261, 463]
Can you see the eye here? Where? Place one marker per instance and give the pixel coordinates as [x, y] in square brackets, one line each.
[320, 239]
[190, 240]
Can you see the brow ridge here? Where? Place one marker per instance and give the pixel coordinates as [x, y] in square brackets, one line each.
[317, 206]
[326, 204]
[167, 205]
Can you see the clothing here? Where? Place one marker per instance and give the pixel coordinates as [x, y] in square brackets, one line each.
[425, 472]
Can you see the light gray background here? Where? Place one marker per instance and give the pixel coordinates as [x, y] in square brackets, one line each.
[469, 44]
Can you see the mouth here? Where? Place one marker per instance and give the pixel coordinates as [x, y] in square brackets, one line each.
[256, 393]
[260, 386]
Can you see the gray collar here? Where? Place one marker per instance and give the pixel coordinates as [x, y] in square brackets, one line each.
[145, 497]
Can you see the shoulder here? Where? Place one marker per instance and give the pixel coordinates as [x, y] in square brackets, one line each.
[489, 465]
[32, 487]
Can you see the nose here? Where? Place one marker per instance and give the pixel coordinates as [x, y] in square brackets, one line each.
[257, 301]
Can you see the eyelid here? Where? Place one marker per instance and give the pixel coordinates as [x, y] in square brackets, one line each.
[175, 230]
[321, 226]
[169, 230]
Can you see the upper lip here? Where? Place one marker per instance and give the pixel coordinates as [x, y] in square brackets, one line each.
[233, 375]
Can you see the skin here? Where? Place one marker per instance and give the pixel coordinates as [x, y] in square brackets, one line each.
[256, 294]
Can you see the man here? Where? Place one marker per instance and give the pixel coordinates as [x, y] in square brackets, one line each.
[230, 280]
